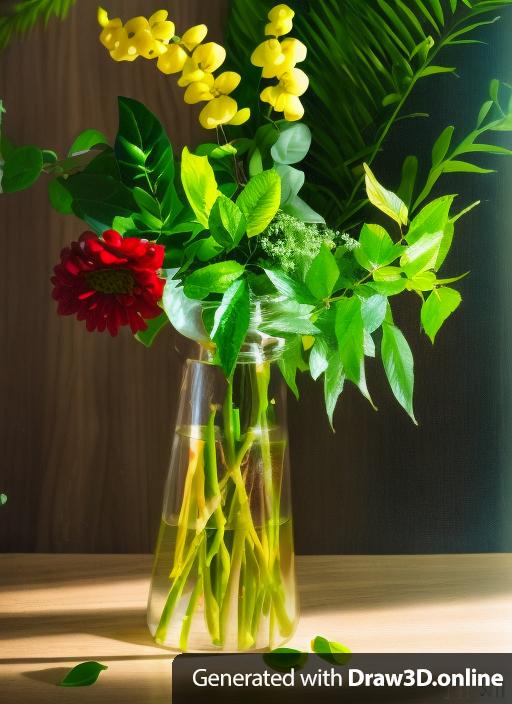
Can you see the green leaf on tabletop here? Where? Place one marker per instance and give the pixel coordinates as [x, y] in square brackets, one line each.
[350, 335]
[376, 248]
[145, 159]
[231, 323]
[21, 169]
[259, 201]
[302, 211]
[332, 652]
[284, 659]
[3, 499]
[441, 303]
[290, 362]
[199, 184]
[214, 278]
[86, 140]
[292, 181]
[292, 145]
[398, 365]
[83, 675]
[373, 311]
[386, 201]
[334, 381]
[154, 325]
[291, 288]
[323, 273]
[422, 255]
[226, 222]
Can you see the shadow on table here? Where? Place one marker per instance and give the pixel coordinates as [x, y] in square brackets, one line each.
[126, 625]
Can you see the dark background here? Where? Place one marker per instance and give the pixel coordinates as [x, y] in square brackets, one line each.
[86, 421]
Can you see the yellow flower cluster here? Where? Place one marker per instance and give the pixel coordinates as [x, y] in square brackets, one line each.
[155, 38]
[278, 59]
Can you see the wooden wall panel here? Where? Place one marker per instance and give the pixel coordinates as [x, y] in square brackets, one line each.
[86, 421]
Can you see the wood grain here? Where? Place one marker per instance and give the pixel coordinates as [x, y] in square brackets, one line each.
[57, 610]
[86, 421]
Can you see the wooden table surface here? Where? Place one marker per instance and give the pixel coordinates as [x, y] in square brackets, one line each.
[58, 610]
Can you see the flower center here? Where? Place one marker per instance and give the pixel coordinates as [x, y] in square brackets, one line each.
[111, 281]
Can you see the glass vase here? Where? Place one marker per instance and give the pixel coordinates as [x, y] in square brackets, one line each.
[223, 576]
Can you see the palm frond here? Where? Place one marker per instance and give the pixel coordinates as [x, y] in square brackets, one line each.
[25, 14]
[364, 61]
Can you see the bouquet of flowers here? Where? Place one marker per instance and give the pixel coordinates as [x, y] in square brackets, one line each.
[220, 245]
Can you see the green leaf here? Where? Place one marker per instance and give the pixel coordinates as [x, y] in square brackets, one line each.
[145, 160]
[386, 201]
[334, 380]
[441, 303]
[216, 151]
[21, 169]
[292, 145]
[226, 222]
[83, 675]
[332, 652]
[302, 211]
[350, 335]
[434, 217]
[185, 314]
[435, 70]
[319, 357]
[422, 255]
[147, 337]
[455, 166]
[214, 278]
[289, 287]
[86, 140]
[323, 273]
[284, 659]
[99, 199]
[399, 366]
[285, 317]
[376, 248]
[259, 201]
[290, 361]
[3, 499]
[292, 181]
[231, 323]
[199, 184]
[60, 197]
[441, 145]
[409, 174]
[373, 311]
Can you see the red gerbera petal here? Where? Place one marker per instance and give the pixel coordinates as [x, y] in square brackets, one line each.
[109, 282]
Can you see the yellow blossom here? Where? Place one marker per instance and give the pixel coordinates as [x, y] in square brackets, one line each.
[276, 57]
[173, 61]
[205, 59]
[138, 37]
[284, 97]
[194, 36]
[281, 21]
[221, 108]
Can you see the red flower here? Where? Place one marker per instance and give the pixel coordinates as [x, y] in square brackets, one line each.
[109, 282]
